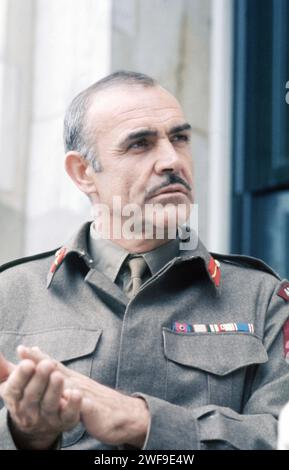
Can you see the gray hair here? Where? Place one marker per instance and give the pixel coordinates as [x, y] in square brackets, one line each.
[76, 129]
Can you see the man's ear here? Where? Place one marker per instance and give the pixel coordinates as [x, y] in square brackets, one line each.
[80, 171]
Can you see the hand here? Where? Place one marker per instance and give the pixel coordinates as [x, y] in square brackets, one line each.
[39, 409]
[108, 415]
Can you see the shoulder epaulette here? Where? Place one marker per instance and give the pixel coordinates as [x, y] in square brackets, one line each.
[246, 261]
[26, 259]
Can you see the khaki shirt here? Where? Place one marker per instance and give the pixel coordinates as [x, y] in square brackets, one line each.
[110, 258]
[201, 342]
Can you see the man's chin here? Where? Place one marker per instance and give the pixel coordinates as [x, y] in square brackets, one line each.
[164, 224]
[169, 213]
[173, 197]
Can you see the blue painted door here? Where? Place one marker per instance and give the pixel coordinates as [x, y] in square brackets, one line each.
[261, 132]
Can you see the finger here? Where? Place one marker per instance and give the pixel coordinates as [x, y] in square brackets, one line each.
[33, 353]
[29, 409]
[87, 407]
[88, 410]
[63, 402]
[15, 384]
[41, 401]
[89, 416]
[70, 413]
[50, 405]
[36, 387]
[65, 397]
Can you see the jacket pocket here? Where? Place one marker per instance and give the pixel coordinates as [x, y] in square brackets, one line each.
[72, 346]
[217, 353]
[62, 344]
[215, 364]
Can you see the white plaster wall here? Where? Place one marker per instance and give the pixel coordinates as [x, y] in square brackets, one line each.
[3, 17]
[16, 39]
[72, 50]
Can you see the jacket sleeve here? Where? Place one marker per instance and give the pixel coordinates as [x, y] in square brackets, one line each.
[215, 427]
[6, 440]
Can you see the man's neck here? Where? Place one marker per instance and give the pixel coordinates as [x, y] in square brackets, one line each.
[137, 242]
[140, 246]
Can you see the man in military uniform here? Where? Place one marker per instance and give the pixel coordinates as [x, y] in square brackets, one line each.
[132, 341]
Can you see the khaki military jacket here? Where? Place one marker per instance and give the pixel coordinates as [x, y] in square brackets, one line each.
[203, 341]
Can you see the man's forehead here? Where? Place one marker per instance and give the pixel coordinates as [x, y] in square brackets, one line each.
[133, 107]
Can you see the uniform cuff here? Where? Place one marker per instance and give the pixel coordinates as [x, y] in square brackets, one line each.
[6, 439]
[171, 427]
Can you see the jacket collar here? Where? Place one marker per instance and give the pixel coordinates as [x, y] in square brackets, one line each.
[191, 249]
[77, 245]
[197, 250]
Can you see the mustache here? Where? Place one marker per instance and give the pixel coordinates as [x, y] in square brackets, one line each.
[171, 178]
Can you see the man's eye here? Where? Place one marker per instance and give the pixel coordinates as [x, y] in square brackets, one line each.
[180, 138]
[139, 144]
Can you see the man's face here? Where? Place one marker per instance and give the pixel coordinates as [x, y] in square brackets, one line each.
[143, 145]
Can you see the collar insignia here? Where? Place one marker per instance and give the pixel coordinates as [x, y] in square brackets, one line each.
[214, 270]
[284, 291]
[59, 257]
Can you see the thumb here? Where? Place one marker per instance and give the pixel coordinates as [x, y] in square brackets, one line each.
[6, 368]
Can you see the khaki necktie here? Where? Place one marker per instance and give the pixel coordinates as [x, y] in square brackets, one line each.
[137, 266]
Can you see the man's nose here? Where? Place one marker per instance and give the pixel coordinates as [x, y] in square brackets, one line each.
[167, 158]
